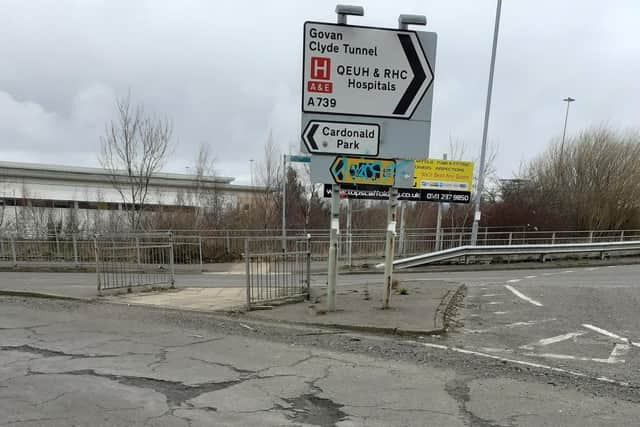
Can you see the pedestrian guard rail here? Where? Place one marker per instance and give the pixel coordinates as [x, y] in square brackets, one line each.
[277, 269]
[506, 250]
[125, 262]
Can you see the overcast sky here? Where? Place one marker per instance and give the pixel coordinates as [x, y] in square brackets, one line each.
[228, 72]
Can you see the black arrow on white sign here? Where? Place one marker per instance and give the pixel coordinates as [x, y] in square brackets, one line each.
[419, 75]
[313, 146]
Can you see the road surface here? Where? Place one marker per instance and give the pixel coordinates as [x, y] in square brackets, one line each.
[68, 363]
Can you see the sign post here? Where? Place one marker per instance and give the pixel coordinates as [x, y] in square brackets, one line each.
[366, 112]
[342, 12]
[403, 21]
[389, 245]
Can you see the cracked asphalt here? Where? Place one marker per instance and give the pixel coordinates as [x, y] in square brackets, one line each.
[65, 363]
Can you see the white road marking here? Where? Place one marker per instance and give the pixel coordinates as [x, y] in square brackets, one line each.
[504, 359]
[513, 281]
[551, 340]
[509, 326]
[592, 268]
[528, 323]
[606, 333]
[577, 358]
[523, 296]
[495, 302]
[500, 312]
[619, 350]
[530, 277]
[496, 350]
[611, 335]
[568, 271]
[559, 338]
[492, 295]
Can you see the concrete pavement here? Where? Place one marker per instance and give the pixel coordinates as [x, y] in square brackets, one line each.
[421, 311]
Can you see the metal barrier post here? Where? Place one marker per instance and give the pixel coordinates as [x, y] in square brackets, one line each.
[200, 251]
[74, 240]
[138, 250]
[591, 237]
[95, 249]
[173, 271]
[13, 251]
[510, 238]
[227, 243]
[553, 238]
[622, 236]
[247, 265]
[58, 254]
[308, 266]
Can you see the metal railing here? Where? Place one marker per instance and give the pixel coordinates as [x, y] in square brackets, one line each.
[125, 262]
[275, 275]
[193, 251]
[543, 250]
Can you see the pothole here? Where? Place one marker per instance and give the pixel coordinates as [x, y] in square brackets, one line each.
[311, 409]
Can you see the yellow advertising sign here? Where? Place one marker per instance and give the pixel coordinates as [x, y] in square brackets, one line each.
[358, 170]
[436, 174]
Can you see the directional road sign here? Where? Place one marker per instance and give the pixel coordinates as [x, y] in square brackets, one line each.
[325, 137]
[364, 71]
[354, 170]
[299, 159]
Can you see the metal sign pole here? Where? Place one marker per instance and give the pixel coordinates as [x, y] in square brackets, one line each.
[284, 205]
[349, 235]
[483, 150]
[403, 23]
[342, 11]
[391, 237]
[333, 247]
[439, 220]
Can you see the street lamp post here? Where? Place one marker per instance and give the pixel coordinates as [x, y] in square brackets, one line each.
[568, 100]
[483, 151]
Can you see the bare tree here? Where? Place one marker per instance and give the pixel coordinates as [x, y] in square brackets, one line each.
[593, 183]
[460, 216]
[134, 147]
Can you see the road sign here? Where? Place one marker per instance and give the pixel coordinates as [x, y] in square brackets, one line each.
[368, 192]
[365, 71]
[299, 159]
[326, 137]
[437, 174]
[357, 170]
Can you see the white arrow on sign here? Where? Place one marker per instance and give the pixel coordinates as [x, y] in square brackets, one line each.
[327, 137]
[363, 71]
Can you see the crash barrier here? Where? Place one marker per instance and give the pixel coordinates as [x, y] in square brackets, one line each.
[542, 250]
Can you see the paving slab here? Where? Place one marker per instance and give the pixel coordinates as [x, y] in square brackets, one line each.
[359, 307]
[199, 299]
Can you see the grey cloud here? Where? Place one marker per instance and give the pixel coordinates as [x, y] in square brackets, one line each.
[228, 72]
